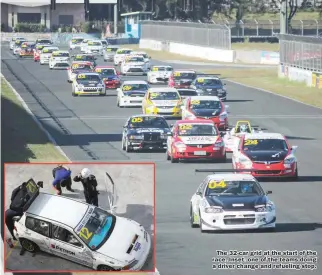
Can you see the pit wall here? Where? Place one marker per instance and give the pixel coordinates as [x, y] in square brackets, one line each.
[311, 79]
[228, 56]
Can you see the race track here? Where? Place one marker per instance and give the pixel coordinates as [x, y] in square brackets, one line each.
[89, 129]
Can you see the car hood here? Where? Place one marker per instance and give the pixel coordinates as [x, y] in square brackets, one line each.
[78, 72]
[148, 130]
[236, 203]
[210, 87]
[183, 81]
[119, 242]
[109, 77]
[135, 64]
[135, 93]
[206, 112]
[61, 59]
[199, 139]
[276, 155]
[89, 83]
[165, 102]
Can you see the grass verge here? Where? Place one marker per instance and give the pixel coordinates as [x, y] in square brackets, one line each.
[267, 79]
[254, 46]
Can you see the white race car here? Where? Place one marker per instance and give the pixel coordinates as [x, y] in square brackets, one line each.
[88, 84]
[59, 60]
[75, 43]
[231, 201]
[120, 55]
[159, 74]
[134, 64]
[46, 53]
[145, 56]
[232, 137]
[85, 234]
[13, 41]
[83, 45]
[131, 93]
[109, 52]
[94, 47]
[17, 46]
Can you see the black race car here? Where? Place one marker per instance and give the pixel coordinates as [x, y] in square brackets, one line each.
[187, 92]
[142, 132]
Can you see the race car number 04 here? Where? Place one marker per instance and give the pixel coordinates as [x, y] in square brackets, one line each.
[215, 184]
[126, 88]
[200, 80]
[98, 70]
[185, 127]
[176, 74]
[154, 69]
[84, 233]
[137, 119]
[251, 142]
[195, 102]
[81, 76]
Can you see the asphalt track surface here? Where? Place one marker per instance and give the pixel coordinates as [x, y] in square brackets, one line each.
[89, 129]
[134, 185]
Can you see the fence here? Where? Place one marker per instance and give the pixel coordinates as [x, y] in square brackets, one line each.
[213, 35]
[271, 27]
[301, 52]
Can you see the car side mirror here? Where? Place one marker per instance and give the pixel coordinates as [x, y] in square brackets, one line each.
[198, 193]
[294, 148]
[269, 192]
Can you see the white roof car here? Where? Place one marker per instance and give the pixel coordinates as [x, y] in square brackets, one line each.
[264, 136]
[85, 234]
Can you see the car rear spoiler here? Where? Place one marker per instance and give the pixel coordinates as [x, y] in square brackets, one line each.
[112, 197]
[215, 171]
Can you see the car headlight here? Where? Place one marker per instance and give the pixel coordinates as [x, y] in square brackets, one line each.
[80, 87]
[289, 160]
[136, 137]
[100, 85]
[164, 136]
[180, 145]
[214, 209]
[130, 265]
[264, 208]
[219, 144]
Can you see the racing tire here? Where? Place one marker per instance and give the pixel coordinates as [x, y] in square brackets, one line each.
[50, 68]
[123, 145]
[105, 268]
[128, 149]
[296, 176]
[173, 160]
[73, 94]
[200, 225]
[191, 219]
[168, 156]
[28, 245]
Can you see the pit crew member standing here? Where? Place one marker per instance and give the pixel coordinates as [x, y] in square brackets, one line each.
[62, 178]
[89, 183]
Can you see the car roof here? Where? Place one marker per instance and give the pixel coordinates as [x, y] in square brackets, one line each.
[231, 176]
[163, 89]
[82, 62]
[125, 49]
[138, 52]
[54, 207]
[187, 89]
[214, 98]
[90, 73]
[208, 77]
[162, 66]
[63, 51]
[134, 82]
[264, 136]
[202, 121]
[51, 47]
[106, 67]
[113, 46]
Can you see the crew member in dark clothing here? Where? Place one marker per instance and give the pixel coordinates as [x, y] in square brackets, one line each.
[19, 197]
[89, 183]
[62, 178]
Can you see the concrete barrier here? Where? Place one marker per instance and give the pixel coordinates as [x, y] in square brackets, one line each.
[297, 74]
[208, 53]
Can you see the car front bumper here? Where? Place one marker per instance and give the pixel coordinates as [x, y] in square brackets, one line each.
[131, 102]
[208, 152]
[275, 170]
[168, 112]
[151, 145]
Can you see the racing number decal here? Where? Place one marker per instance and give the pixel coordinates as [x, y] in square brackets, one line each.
[98, 70]
[75, 66]
[154, 69]
[90, 43]
[108, 50]
[120, 51]
[153, 95]
[74, 40]
[195, 102]
[176, 74]
[84, 233]
[81, 76]
[185, 126]
[215, 184]
[137, 119]
[31, 187]
[201, 80]
[45, 50]
[126, 88]
[79, 56]
[249, 142]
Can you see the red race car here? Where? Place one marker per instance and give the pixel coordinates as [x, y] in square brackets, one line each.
[182, 78]
[195, 139]
[268, 154]
[37, 51]
[110, 76]
[206, 107]
[27, 49]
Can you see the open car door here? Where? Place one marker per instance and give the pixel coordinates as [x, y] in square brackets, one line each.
[112, 197]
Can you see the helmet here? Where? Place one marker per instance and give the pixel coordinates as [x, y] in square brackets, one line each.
[243, 128]
[85, 173]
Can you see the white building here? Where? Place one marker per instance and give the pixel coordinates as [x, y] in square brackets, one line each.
[67, 12]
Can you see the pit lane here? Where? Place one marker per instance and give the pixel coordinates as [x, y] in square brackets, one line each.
[89, 129]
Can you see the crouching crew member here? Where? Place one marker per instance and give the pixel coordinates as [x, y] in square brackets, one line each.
[62, 178]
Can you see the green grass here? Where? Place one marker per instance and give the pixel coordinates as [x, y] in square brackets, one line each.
[23, 140]
[251, 46]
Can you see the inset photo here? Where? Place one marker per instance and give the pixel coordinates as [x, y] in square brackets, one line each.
[80, 217]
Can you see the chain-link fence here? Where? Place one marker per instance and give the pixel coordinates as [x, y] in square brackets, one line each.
[212, 35]
[301, 51]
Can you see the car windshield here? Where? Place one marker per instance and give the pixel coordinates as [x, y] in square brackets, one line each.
[104, 42]
[61, 54]
[84, 57]
[208, 82]
[49, 50]
[124, 51]
[96, 227]
[136, 59]
[106, 71]
[44, 41]
[233, 188]
[184, 75]
[196, 129]
[82, 78]
[187, 92]
[77, 40]
[164, 96]
[148, 122]
[94, 43]
[111, 50]
[205, 104]
[162, 69]
[134, 87]
[265, 145]
[81, 67]
[19, 42]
